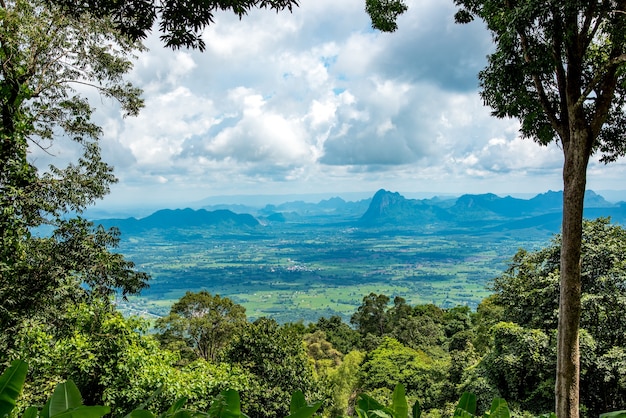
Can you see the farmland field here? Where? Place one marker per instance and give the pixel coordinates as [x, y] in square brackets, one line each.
[303, 271]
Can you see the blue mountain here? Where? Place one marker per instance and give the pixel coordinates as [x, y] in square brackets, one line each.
[471, 212]
[482, 211]
[183, 218]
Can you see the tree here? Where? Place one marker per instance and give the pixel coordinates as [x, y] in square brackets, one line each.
[528, 294]
[371, 316]
[205, 323]
[422, 327]
[44, 56]
[344, 383]
[180, 22]
[398, 313]
[392, 363]
[558, 68]
[322, 355]
[528, 290]
[521, 366]
[276, 358]
[114, 362]
[325, 361]
[338, 333]
[419, 331]
[488, 313]
[457, 319]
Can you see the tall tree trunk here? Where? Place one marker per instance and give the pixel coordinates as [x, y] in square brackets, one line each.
[576, 154]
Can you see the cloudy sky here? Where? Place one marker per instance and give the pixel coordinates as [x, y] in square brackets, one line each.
[318, 102]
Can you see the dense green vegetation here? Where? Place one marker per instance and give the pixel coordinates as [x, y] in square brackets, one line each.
[505, 348]
[66, 401]
[43, 53]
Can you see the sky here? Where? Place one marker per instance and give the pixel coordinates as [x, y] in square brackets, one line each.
[317, 102]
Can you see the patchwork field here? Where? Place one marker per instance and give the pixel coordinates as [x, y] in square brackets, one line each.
[298, 272]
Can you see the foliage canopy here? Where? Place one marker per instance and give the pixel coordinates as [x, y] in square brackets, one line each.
[48, 60]
[205, 323]
[180, 22]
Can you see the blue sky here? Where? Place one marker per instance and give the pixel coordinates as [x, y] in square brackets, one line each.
[317, 102]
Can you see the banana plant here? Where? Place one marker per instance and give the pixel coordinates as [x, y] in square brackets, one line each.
[299, 408]
[466, 408]
[368, 407]
[65, 401]
[11, 384]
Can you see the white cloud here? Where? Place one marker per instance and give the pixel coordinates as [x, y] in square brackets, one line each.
[322, 112]
[316, 100]
[259, 135]
[158, 134]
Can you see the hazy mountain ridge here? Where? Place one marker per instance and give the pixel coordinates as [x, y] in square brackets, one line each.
[183, 218]
[484, 211]
[335, 206]
[386, 209]
[393, 208]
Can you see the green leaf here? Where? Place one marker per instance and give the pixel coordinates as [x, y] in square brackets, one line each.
[306, 411]
[467, 404]
[399, 405]
[83, 412]
[614, 414]
[65, 396]
[384, 13]
[140, 413]
[297, 401]
[45, 411]
[184, 413]
[11, 383]
[417, 410]
[31, 412]
[174, 408]
[499, 409]
[360, 413]
[367, 403]
[380, 413]
[226, 405]
[460, 413]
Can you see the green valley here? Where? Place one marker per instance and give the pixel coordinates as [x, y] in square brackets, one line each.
[319, 267]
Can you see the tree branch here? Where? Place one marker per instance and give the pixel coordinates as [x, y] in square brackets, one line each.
[590, 35]
[600, 75]
[543, 97]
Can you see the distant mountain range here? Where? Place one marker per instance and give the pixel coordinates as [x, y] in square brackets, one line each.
[387, 210]
[183, 218]
[542, 210]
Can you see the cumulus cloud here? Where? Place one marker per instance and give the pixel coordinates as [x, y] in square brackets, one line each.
[157, 135]
[260, 135]
[315, 100]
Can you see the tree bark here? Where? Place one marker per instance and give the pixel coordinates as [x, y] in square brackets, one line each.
[576, 154]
